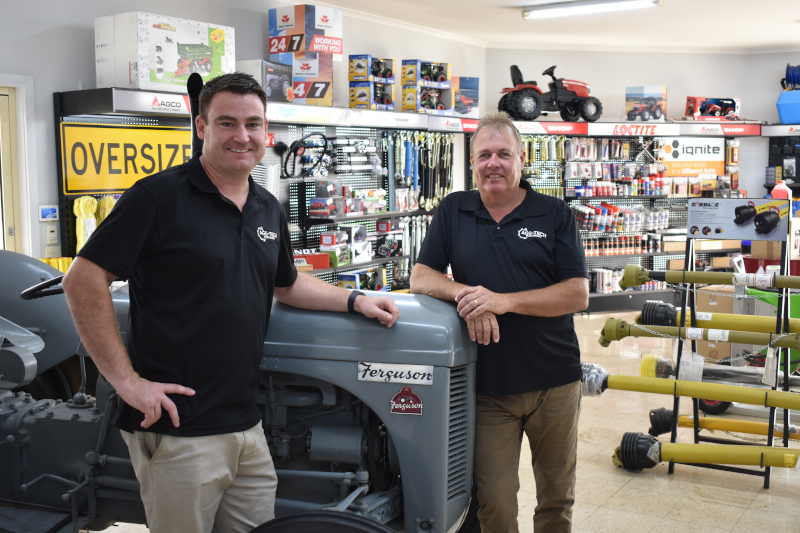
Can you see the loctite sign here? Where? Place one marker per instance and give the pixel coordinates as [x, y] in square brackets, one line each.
[104, 158]
[633, 130]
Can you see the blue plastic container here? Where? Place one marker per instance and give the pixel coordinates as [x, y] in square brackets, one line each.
[789, 107]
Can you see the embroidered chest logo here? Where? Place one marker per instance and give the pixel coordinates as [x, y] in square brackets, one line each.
[525, 233]
[264, 234]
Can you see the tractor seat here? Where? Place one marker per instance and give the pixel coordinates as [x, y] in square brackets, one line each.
[516, 77]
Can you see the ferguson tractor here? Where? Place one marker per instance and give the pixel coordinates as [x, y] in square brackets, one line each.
[569, 98]
[370, 428]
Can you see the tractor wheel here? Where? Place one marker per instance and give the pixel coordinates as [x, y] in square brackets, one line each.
[591, 109]
[193, 67]
[207, 67]
[388, 73]
[285, 86]
[387, 100]
[268, 91]
[527, 104]
[440, 106]
[571, 112]
[713, 407]
[322, 522]
[441, 78]
[645, 115]
[657, 112]
[631, 115]
[505, 103]
[716, 113]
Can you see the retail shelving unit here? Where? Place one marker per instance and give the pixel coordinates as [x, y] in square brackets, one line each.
[784, 143]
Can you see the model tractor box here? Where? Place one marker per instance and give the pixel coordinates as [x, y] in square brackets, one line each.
[371, 95]
[370, 428]
[275, 78]
[312, 79]
[309, 38]
[703, 108]
[428, 100]
[465, 96]
[645, 103]
[139, 50]
[425, 74]
[367, 68]
[372, 279]
[304, 29]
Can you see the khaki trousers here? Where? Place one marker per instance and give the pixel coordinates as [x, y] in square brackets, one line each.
[550, 420]
[217, 483]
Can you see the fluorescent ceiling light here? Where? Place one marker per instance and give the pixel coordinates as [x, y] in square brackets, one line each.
[583, 7]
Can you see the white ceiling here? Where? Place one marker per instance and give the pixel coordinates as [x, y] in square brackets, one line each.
[706, 26]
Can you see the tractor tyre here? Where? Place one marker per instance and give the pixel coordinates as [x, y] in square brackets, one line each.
[657, 112]
[440, 106]
[441, 78]
[387, 100]
[193, 67]
[285, 85]
[591, 109]
[716, 113]
[388, 73]
[268, 91]
[322, 522]
[713, 407]
[631, 115]
[571, 112]
[505, 104]
[645, 115]
[527, 104]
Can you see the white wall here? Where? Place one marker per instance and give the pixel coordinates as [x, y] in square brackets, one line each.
[52, 43]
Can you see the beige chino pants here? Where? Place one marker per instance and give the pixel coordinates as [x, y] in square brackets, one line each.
[217, 483]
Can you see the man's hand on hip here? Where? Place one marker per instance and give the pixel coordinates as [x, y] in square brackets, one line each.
[150, 397]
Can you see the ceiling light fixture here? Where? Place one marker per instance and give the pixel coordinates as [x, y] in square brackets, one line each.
[583, 7]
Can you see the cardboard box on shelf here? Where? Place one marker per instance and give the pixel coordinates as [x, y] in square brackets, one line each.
[765, 250]
[139, 50]
[673, 246]
[713, 244]
[713, 299]
[276, 78]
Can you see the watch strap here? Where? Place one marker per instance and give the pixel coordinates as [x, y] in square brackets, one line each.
[351, 301]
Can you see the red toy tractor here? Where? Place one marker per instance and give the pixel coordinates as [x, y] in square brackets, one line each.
[646, 109]
[570, 98]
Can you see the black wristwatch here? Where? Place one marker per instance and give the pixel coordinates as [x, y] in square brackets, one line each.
[351, 302]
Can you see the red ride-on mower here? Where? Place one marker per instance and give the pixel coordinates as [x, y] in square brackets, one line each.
[463, 104]
[570, 98]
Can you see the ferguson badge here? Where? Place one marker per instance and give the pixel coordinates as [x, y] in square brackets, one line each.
[406, 402]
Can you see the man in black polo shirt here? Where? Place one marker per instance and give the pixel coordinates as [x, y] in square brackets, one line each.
[519, 273]
[204, 250]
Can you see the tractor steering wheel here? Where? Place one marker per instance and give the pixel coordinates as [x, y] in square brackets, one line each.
[550, 72]
[39, 291]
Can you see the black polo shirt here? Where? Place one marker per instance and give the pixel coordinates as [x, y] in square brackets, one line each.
[535, 246]
[201, 278]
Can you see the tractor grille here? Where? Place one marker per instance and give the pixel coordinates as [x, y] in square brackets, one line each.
[459, 433]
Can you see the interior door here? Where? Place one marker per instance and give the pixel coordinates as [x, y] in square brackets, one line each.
[10, 236]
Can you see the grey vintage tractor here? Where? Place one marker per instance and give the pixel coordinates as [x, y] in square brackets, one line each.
[370, 428]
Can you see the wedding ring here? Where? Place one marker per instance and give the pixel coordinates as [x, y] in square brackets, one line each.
[475, 302]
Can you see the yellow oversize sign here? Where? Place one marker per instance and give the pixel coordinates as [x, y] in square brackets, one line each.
[105, 158]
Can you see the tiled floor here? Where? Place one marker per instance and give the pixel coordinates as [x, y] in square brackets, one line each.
[611, 499]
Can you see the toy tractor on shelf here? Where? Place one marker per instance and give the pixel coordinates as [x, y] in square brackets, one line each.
[463, 104]
[194, 58]
[570, 98]
[431, 99]
[380, 69]
[432, 72]
[382, 96]
[646, 109]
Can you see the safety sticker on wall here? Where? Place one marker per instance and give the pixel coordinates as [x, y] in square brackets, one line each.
[406, 402]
